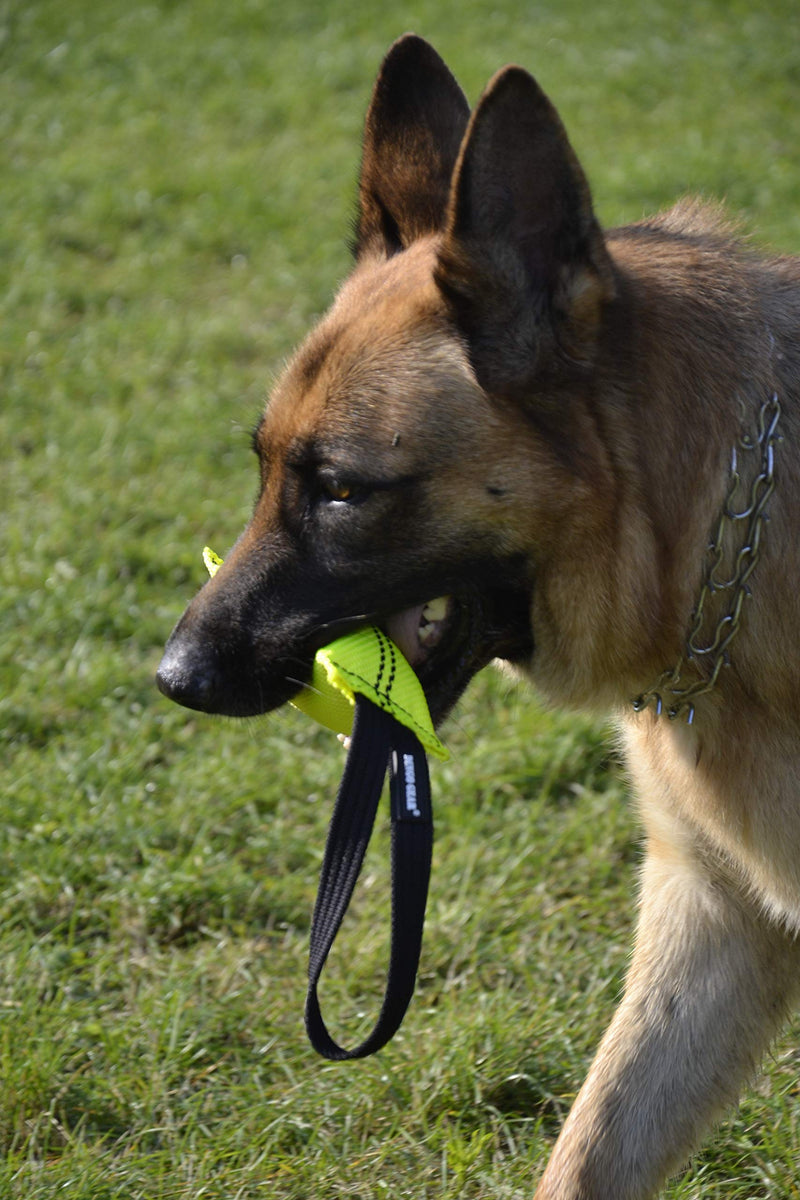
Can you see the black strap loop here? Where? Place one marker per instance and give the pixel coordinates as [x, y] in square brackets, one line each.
[377, 741]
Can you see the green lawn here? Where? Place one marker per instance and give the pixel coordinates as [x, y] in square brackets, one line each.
[176, 186]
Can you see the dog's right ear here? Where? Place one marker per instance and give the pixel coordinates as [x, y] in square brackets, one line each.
[523, 262]
[413, 130]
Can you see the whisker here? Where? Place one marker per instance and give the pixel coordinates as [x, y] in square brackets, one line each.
[305, 687]
[341, 622]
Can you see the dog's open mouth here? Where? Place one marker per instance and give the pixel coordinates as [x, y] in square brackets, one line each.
[440, 640]
[418, 630]
[449, 639]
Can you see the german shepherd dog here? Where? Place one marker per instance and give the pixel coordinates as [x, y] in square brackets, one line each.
[583, 447]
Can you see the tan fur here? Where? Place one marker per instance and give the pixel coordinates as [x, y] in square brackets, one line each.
[531, 408]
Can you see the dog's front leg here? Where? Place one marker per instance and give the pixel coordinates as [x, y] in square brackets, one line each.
[709, 983]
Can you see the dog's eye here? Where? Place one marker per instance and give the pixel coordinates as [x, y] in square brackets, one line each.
[339, 489]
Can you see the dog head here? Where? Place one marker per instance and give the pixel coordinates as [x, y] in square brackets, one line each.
[417, 459]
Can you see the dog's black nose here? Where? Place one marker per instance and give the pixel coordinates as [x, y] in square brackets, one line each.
[187, 678]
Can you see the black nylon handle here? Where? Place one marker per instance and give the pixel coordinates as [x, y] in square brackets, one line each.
[378, 742]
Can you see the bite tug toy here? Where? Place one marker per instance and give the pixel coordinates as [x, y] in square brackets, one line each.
[362, 687]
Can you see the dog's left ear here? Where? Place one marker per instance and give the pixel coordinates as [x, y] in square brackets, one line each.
[412, 134]
[523, 261]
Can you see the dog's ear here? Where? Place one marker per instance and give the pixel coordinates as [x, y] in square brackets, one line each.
[413, 130]
[523, 258]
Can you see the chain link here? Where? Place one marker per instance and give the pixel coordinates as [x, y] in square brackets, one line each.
[671, 694]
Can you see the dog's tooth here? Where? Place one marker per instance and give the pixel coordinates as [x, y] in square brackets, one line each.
[436, 610]
[426, 632]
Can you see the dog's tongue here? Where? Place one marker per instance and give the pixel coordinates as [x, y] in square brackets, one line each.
[403, 629]
[415, 631]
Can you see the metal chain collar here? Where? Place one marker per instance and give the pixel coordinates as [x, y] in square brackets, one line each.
[670, 693]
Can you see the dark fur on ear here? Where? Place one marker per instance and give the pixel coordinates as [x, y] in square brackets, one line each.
[413, 130]
[523, 258]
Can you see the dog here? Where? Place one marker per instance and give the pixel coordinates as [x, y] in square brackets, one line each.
[517, 437]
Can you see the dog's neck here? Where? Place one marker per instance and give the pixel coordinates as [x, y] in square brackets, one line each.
[729, 564]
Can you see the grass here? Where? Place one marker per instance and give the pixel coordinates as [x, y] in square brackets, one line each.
[176, 185]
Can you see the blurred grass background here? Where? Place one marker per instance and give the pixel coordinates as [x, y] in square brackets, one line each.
[176, 186]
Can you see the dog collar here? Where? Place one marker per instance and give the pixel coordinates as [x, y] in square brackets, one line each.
[363, 687]
[671, 693]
